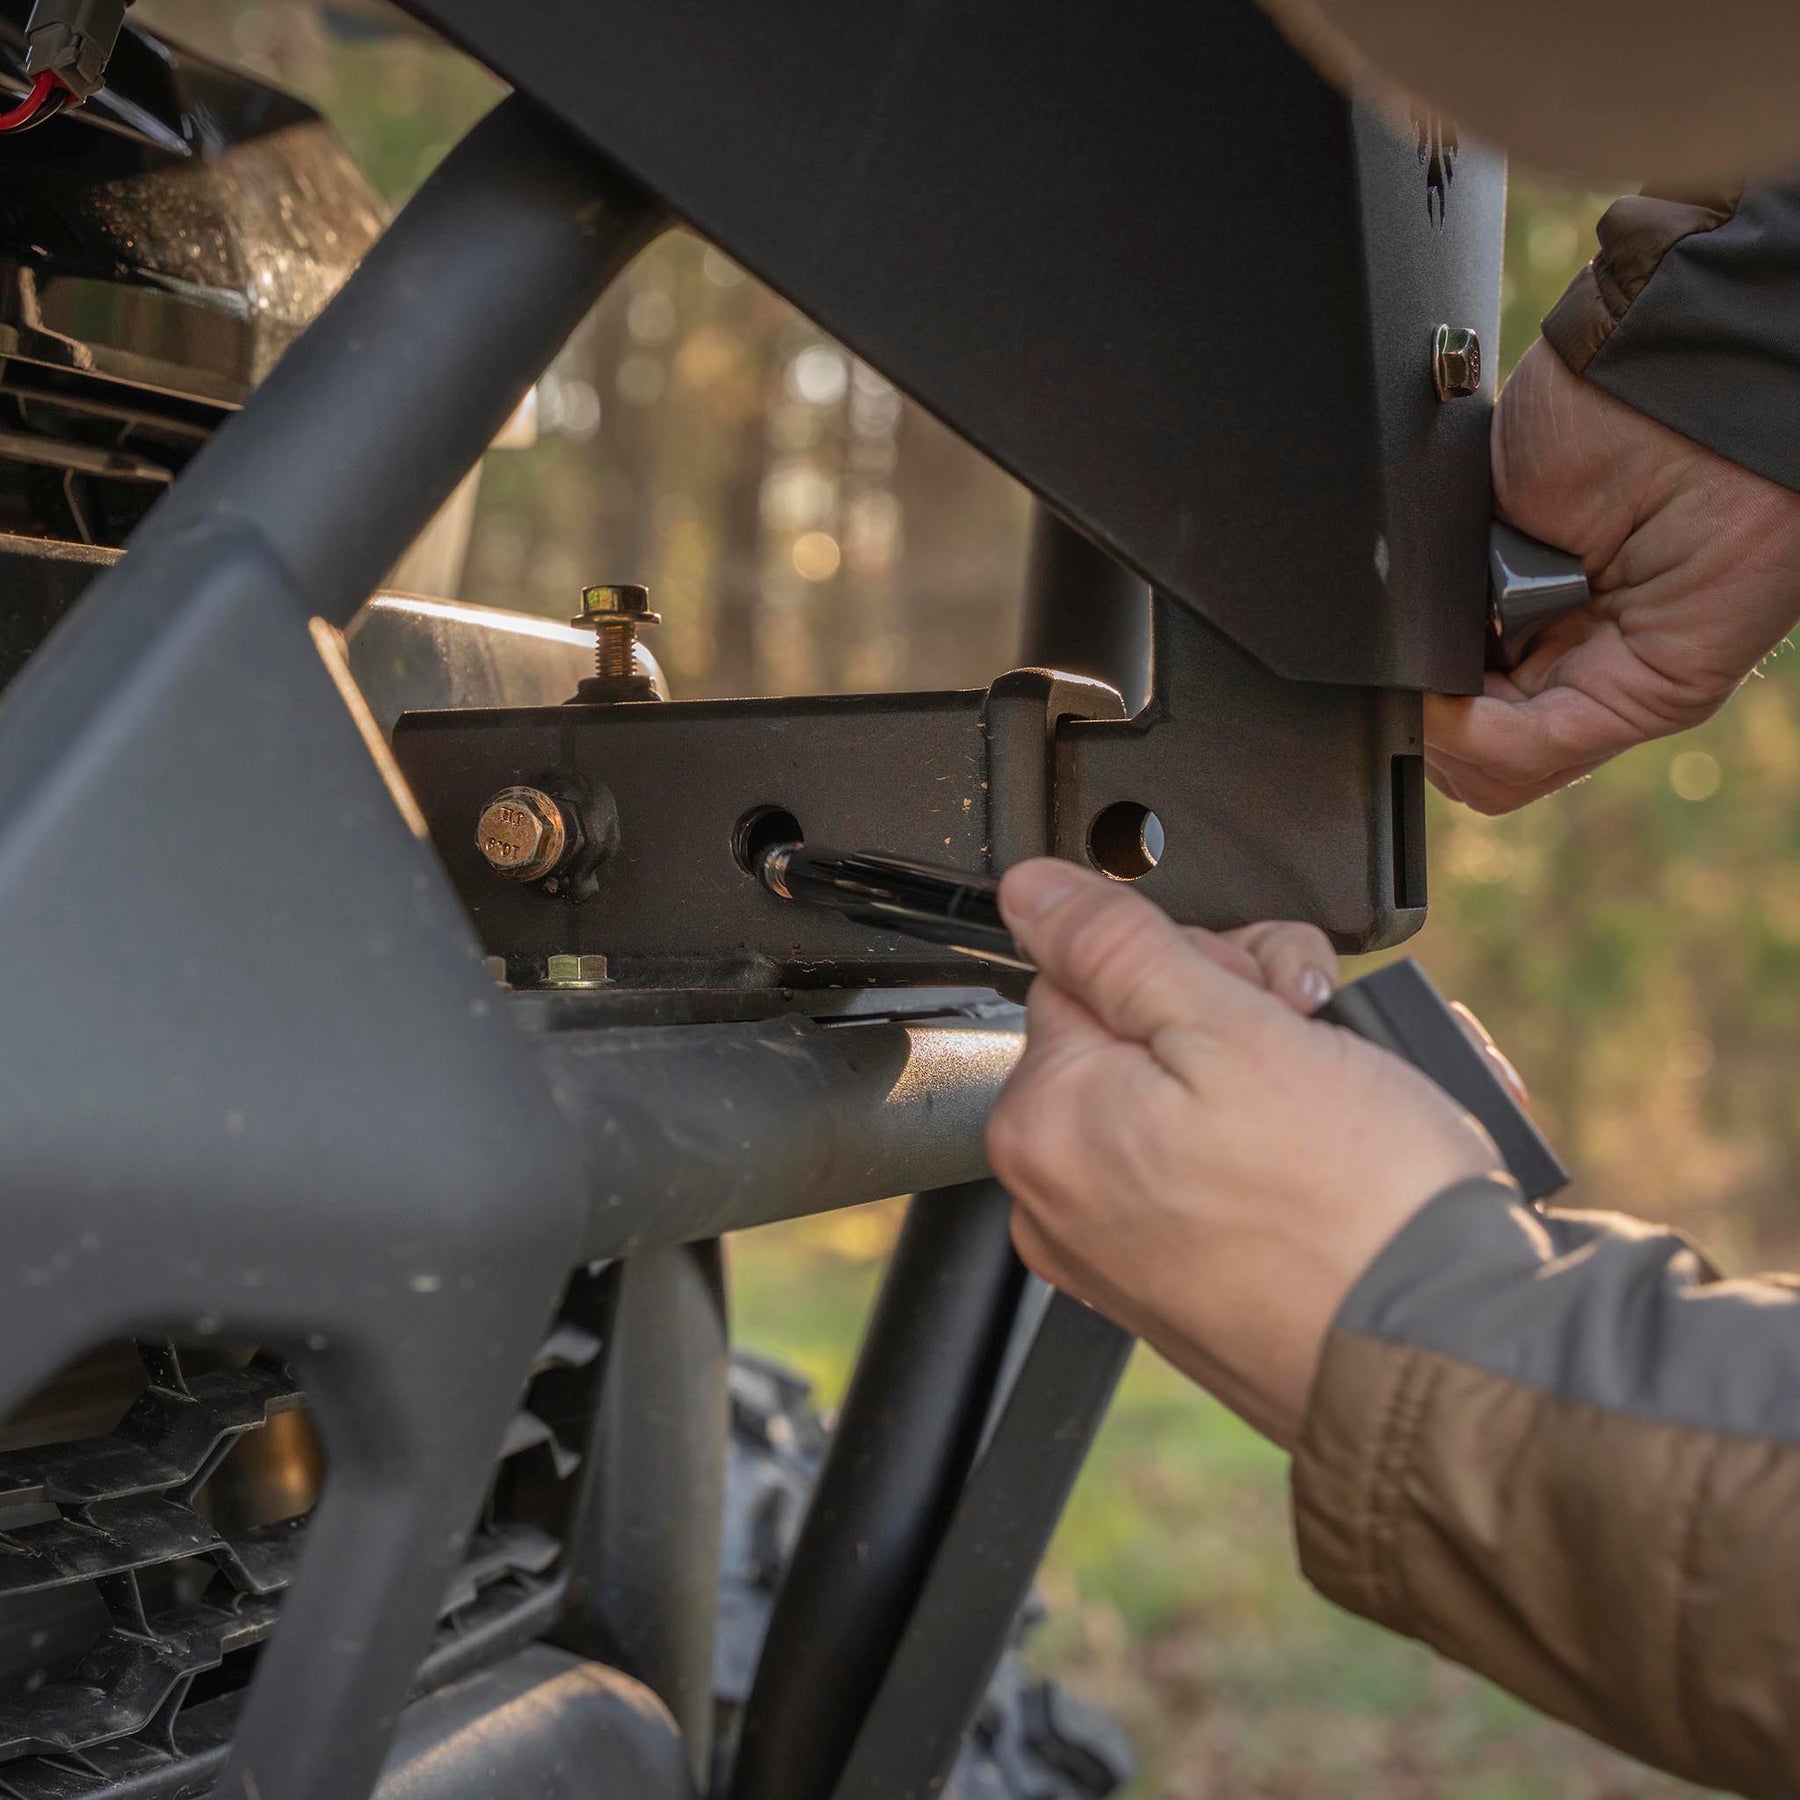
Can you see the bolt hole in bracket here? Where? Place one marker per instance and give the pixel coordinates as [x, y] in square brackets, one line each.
[759, 831]
[1126, 840]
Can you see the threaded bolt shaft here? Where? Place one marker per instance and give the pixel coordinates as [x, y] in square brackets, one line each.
[615, 643]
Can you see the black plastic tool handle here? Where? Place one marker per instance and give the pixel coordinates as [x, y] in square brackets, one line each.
[893, 893]
[1530, 585]
[1398, 1008]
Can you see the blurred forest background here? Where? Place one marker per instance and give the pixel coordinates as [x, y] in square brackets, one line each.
[1634, 943]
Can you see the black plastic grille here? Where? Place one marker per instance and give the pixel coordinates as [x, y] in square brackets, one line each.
[83, 458]
[145, 1619]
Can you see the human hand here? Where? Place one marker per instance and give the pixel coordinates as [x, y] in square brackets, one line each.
[1695, 566]
[1189, 1153]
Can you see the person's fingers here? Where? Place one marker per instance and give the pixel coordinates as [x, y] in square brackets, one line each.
[1472, 788]
[1297, 961]
[1061, 1092]
[1035, 1250]
[1123, 958]
[1496, 753]
[1218, 948]
[1058, 1028]
[1478, 1035]
[1521, 742]
[1050, 1012]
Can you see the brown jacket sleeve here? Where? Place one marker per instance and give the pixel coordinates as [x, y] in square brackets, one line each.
[1560, 1450]
[1690, 312]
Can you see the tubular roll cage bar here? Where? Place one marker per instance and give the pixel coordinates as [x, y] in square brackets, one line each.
[260, 1085]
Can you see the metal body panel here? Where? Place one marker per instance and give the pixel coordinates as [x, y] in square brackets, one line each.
[1432, 257]
[1144, 258]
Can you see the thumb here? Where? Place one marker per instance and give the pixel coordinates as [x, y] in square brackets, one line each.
[1123, 958]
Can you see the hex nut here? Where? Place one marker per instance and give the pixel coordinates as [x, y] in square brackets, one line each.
[522, 834]
[574, 971]
[1455, 361]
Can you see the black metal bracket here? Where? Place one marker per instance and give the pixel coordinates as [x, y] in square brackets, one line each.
[1275, 799]
[1278, 799]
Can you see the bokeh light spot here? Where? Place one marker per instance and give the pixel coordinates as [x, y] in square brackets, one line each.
[1694, 775]
[819, 375]
[816, 556]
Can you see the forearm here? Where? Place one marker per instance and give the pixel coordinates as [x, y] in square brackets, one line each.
[1559, 1451]
[1690, 313]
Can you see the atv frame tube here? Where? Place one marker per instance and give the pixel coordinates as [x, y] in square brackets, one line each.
[691, 1131]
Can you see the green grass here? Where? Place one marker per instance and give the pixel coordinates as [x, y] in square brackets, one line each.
[1175, 1597]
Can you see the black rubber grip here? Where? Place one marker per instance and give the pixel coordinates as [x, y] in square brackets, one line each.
[1399, 1009]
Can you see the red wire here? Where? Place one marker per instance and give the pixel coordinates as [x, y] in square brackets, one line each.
[26, 110]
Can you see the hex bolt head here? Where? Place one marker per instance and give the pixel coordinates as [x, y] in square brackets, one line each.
[617, 600]
[1455, 361]
[522, 834]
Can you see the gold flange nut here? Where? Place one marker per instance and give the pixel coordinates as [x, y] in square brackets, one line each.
[572, 971]
[1455, 361]
[521, 833]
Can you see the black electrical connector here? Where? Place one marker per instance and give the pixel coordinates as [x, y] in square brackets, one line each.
[72, 41]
